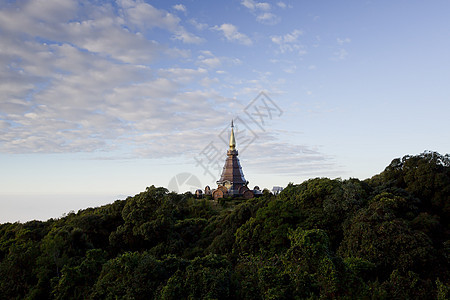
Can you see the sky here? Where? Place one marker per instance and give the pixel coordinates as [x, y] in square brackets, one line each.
[101, 99]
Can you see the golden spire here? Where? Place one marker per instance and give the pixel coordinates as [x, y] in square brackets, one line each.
[232, 140]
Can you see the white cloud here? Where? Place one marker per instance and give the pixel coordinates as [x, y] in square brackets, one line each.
[198, 25]
[87, 86]
[253, 5]
[86, 80]
[232, 34]
[181, 75]
[281, 4]
[14, 106]
[50, 10]
[288, 38]
[208, 81]
[4, 124]
[144, 15]
[289, 42]
[290, 69]
[97, 77]
[206, 53]
[99, 31]
[285, 158]
[187, 37]
[105, 38]
[268, 18]
[180, 7]
[343, 41]
[87, 120]
[341, 54]
[262, 11]
[208, 60]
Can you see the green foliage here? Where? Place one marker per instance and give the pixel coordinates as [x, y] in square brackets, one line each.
[308, 269]
[360, 267]
[317, 203]
[268, 229]
[378, 235]
[443, 290]
[19, 261]
[133, 276]
[407, 285]
[76, 281]
[219, 235]
[426, 176]
[385, 238]
[209, 277]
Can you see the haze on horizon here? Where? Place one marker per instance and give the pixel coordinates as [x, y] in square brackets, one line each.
[99, 100]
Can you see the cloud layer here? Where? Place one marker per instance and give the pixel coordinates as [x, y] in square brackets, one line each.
[73, 84]
[121, 78]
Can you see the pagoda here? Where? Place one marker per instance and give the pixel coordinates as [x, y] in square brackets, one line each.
[232, 183]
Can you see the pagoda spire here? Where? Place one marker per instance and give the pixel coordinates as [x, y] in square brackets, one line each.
[232, 139]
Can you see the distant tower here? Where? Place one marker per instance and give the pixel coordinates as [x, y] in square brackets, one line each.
[232, 181]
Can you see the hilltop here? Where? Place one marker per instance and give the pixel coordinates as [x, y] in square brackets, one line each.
[387, 237]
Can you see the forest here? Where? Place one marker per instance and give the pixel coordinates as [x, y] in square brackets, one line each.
[386, 237]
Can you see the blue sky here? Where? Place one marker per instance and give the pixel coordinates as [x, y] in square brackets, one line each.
[99, 99]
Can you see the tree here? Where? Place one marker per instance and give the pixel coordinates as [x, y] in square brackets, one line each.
[426, 176]
[76, 281]
[208, 277]
[134, 276]
[378, 235]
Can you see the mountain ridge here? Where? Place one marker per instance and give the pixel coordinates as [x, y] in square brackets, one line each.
[384, 237]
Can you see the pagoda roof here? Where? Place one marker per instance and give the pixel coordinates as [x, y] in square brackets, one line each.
[232, 170]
